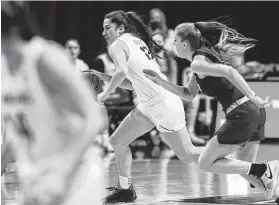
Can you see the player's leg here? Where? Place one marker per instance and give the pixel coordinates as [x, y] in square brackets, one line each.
[180, 142]
[169, 116]
[249, 154]
[243, 124]
[133, 126]
[214, 160]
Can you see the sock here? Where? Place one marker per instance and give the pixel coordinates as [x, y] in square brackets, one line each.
[257, 169]
[125, 182]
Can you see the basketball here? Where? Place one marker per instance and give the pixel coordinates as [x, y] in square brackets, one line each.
[93, 81]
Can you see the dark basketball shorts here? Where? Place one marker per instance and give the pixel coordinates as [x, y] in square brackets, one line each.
[243, 124]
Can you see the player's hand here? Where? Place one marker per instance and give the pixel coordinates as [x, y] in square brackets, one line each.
[102, 97]
[260, 102]
[152, 75]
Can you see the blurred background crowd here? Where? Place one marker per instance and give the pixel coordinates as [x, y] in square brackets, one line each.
[78, 26]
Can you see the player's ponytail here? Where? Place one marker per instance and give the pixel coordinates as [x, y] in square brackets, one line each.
[227, 41]
[139, 28]
[216, 36]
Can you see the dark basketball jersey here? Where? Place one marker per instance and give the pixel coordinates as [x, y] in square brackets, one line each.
[218, 87]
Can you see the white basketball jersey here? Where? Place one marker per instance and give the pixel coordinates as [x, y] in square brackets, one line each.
[141, 58]
[26, 105]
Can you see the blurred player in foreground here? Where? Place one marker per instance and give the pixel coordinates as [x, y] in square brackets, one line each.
[51, 117]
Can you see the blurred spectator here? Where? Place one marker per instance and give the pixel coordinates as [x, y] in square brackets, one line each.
[73, 48]
[157, 24]
[191, 109]
[167, 62]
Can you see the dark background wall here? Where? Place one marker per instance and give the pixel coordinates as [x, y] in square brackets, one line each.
[83, 20]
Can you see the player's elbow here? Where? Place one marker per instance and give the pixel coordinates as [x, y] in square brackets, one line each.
[188, 94]
[192, 95]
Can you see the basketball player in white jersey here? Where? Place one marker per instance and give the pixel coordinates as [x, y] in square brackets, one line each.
[51, 116]
[131, 49]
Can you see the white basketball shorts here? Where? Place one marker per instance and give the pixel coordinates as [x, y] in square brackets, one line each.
[166, 112]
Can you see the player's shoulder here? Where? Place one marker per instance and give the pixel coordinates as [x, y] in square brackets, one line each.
[130, 38]
[125, 36]
[117, 46]
[200, 57]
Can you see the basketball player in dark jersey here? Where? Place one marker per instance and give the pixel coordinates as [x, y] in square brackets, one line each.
[211, 46]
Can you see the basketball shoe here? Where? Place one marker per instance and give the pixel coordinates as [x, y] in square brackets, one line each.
[120, 195]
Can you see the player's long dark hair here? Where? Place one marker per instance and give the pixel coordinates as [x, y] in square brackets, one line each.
[133, 23]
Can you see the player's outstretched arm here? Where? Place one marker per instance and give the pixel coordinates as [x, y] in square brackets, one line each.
[188, 93]
[201, 66]
[118, 56]
[126, 84]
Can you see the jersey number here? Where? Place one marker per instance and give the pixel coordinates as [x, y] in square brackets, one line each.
[147, 52]
[21, 125]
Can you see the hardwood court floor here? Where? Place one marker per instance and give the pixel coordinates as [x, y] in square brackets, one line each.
[169, 182]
